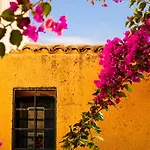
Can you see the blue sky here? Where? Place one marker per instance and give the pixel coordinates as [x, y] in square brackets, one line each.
[88, 24]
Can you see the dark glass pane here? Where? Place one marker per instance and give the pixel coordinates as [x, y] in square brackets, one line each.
[39, 140]
[23, 139]
[49, 118]
[21, 119]
[49, 139]
[49, 135]
[35, 126]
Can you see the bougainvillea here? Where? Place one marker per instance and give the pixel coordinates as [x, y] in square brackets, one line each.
[17, 13]
[124, 61]
[104, 2]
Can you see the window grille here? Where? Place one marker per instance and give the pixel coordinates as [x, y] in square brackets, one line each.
[34, 119]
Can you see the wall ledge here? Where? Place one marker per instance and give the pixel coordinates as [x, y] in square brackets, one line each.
[58, 49]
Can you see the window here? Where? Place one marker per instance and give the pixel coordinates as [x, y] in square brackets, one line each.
[34, 119]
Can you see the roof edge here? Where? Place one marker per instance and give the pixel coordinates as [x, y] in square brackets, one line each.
[57, 48]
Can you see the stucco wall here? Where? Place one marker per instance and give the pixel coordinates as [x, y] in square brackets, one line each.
[125, 129]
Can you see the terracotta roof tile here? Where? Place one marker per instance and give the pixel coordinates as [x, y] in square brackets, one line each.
[58, 49]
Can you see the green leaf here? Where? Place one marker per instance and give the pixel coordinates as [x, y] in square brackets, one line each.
[132, 2]
[8, 15]
[96, 128]
[101, 116]
[96, 92]
[106, 107]
[121, 94]
[126, 23]
[138, 1]
[114, 104]
[26, 5]
[98, 116]
[2, 32]
[46, 9]
[133, 29]
[131, 24]
[15, 37]
[137, 20]
[76, 124]
[140, 75]
[108, 91]
[137, 14]
[90, 103]
[90, 144]
[127, 87]
[99, 137]
[24, 2]
[142, 6]
[96, 148]
[86, 114]
[2, 49]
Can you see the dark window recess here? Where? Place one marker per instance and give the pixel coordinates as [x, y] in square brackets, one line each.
[34, 120]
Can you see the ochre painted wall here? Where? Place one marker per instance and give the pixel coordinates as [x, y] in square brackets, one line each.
[125, 129]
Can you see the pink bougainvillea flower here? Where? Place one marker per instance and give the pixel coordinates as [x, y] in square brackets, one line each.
[48, 23]
[136, 79]
[13, 6]
[38, 16]
[117, 1]
[1, 144]
[105, 5]
[104, 1]
[19, 2]
[57, 27]
[39, 9]
[110, 102]
[148, 22]
[24, 22]
[122, 61]
[97, 99]
[117, 100]
[63, 23]
[63, 18]
[31, 32]
[41, 29]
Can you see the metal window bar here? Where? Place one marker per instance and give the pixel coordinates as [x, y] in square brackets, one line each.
[35, 124]
[32, 109]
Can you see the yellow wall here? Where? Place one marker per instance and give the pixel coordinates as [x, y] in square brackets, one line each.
[125, 129]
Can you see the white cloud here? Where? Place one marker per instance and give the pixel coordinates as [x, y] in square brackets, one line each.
[68, 40]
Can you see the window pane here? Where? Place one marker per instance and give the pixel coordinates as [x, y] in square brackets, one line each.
[30, 139]
[35, 126]
[49, 118]
[22, 138]
[21, 118]
[40, 114]
[49, 139]
[40, 140]
[31, 113]
[31, 124]
[40, 124]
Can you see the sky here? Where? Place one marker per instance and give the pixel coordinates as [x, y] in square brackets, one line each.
[88, 24]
